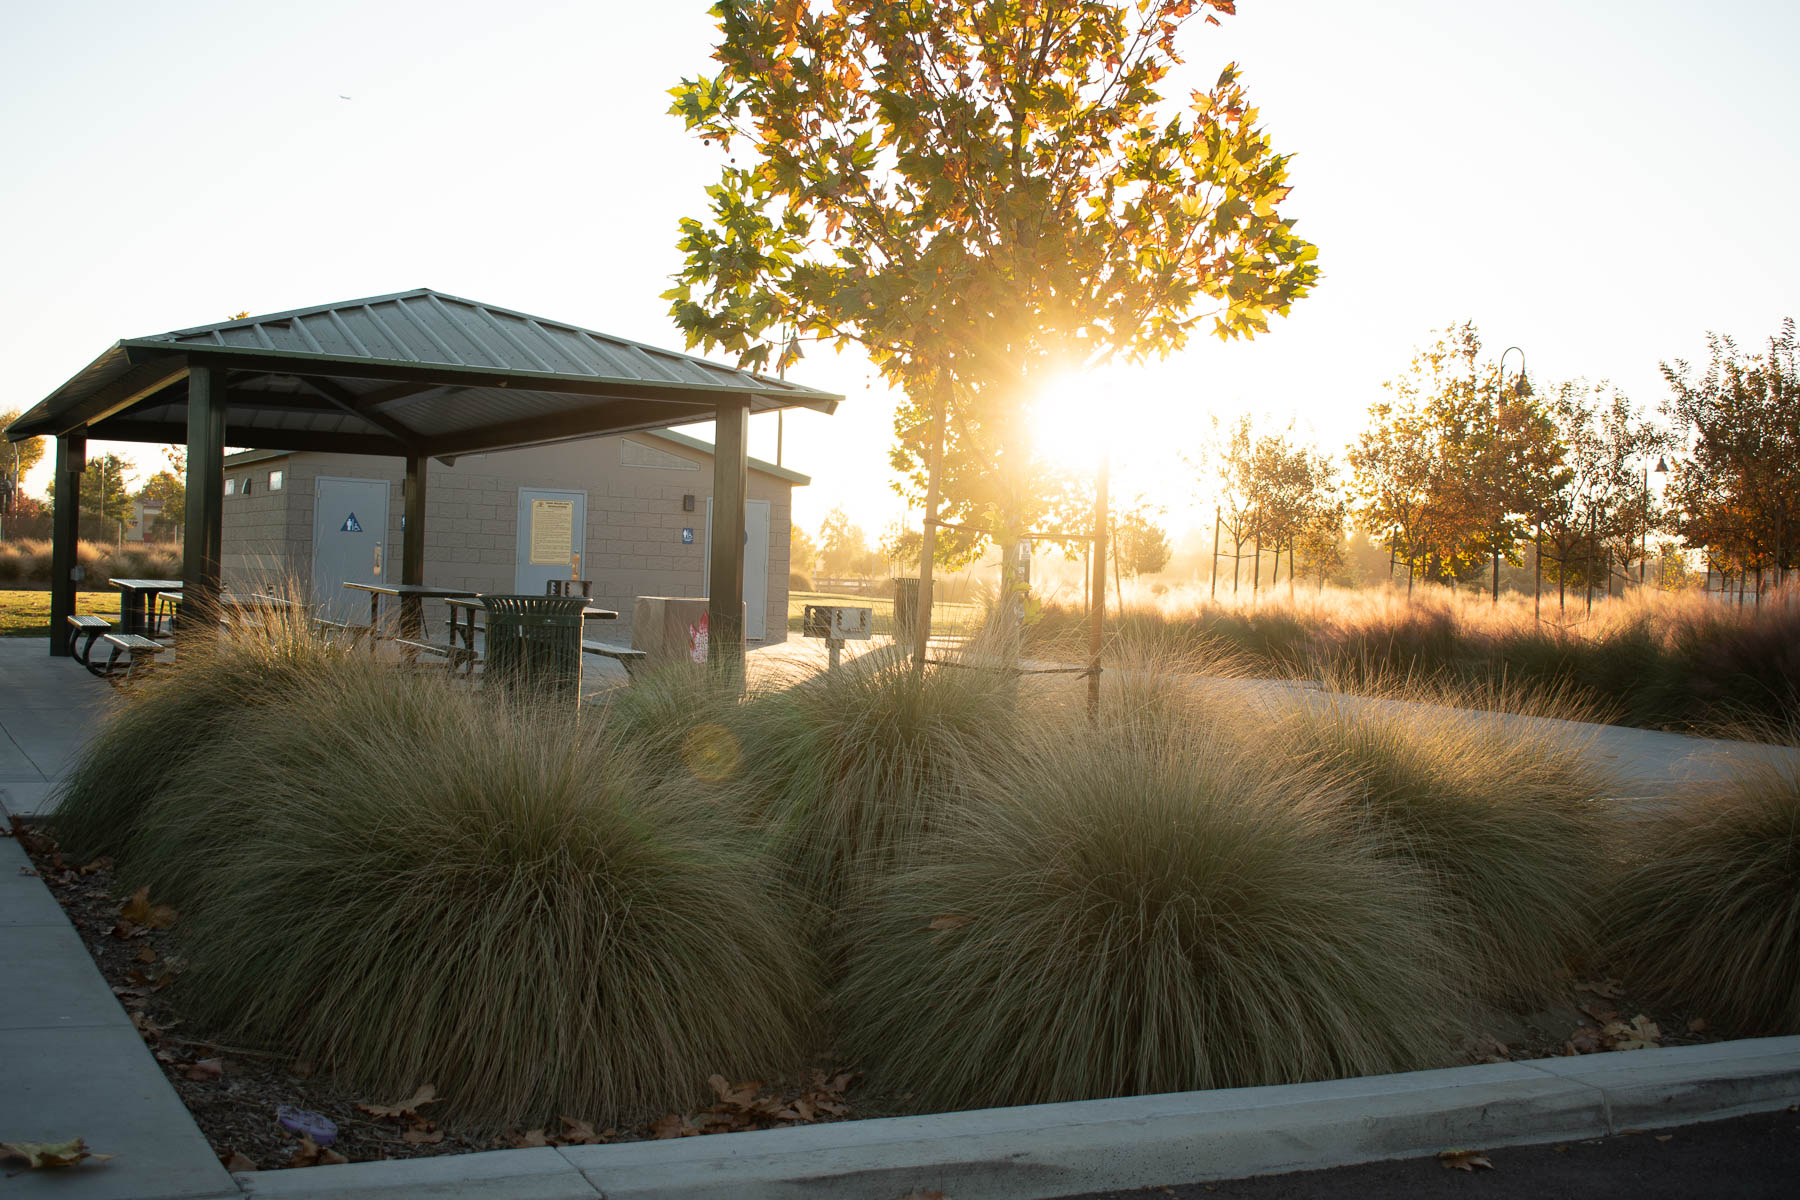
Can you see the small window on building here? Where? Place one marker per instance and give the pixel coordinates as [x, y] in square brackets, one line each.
[230, 487]
[246, 488]
[274, 481]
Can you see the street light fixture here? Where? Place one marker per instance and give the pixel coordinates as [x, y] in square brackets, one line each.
[1661, 468]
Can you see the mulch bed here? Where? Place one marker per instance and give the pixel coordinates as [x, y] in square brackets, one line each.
[237, 1094]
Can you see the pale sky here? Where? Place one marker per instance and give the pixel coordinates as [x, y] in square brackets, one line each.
[1599, 182]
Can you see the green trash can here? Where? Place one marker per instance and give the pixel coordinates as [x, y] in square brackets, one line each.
[534, 644]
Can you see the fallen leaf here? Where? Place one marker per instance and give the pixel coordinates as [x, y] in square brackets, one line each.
[237, 1161]
[742, 1096]
[579, 1133]
[139, 911]
[39, 1156]
[1464, 1160]
[310, 1154]
[427, 1094]
[422, 1135]
[206, 1069]
[672, 1126]
[1698, 1025]
[1612, 989]
[34, 843]
[1665, 1137]
[146, 954]
[168, 1056]
[102, 863]
[148, 1028]
[531, 1138]
[303, 1068]
[947, 922]
[1486, 1049]
[1600, 1012]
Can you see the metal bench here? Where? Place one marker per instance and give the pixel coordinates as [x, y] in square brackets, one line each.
[90, 626]
[325, 627]
[627, 657]
[459, 656]
[143, 651]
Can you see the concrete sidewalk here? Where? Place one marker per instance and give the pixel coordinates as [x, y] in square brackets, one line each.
[71, 1064]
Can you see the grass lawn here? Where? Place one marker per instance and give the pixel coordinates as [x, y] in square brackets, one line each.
[27, 613]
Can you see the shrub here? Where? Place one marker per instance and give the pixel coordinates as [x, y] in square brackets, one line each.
[424, 885]
[165, 721]
[1708, 910]
[1501, 812]
[1102, 919]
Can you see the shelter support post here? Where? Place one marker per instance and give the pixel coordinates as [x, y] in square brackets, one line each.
[65, 531]
[412, 546]
[731, 482]
[200, 571]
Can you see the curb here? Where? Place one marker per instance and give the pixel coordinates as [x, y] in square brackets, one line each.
[1049, 1150]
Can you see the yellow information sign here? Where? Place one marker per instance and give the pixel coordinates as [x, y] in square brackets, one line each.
[552, 532]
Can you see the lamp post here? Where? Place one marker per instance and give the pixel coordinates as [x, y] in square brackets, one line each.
[1499, 393]
[1662, 468]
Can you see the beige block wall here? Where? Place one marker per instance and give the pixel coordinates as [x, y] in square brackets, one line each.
[634, 519]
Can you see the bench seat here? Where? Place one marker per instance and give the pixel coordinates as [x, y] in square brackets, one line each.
[325, 627]
[87, 625]
[458, 655]
[142, 651]
[629, 658]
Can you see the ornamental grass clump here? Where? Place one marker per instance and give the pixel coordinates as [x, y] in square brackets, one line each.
[1503, 813]
[1104, 919]
[148, 741]
[1707, 912]
[431, 886]
[853, 767]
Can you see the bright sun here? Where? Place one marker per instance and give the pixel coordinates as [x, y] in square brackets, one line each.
[1071, 424]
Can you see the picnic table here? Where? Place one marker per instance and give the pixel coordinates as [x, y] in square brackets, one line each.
[411, 597]
[137, 603]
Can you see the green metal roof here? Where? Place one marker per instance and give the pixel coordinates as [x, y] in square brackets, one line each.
[412, 372]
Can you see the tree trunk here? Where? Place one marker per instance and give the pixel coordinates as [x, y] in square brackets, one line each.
[928, 535]
[1097, 585]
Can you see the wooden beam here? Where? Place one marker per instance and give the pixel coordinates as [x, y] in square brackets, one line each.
[200, 573]
[346, 401]
[135, 385]
[725, 574]
[623, 417]
[252, 437]
[65, 532]
[412, 554]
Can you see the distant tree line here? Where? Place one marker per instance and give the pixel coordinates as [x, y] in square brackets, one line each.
[1461, 470]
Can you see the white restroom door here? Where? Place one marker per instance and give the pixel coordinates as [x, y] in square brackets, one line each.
[756, 564]
[552, 530]
[350, 519]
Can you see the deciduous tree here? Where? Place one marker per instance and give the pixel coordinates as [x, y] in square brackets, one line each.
[981, 194]
[1735, 488]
